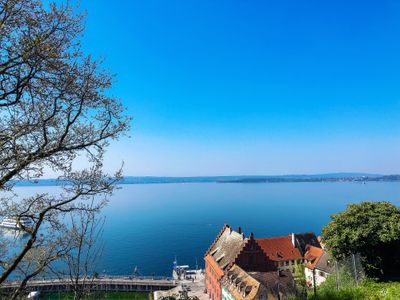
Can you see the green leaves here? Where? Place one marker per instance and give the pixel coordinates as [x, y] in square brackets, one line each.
[367, 228]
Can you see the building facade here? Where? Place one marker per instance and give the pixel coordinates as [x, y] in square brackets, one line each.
[318, 265]
[219, 258]
[236, 266]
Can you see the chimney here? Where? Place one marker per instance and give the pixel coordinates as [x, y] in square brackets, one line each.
[320, 242]
[239, 229]
[293, 241]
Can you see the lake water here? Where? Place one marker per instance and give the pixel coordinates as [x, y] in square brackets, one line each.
[148, 225]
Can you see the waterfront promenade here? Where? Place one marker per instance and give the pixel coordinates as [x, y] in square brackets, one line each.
[109, 283]
[194, 288]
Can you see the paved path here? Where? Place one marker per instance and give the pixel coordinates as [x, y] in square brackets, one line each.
[193, 287]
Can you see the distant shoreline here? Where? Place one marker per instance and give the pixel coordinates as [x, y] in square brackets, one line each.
[334, 177]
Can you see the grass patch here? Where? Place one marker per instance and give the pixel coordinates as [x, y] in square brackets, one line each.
[367, 290]
[102, 295]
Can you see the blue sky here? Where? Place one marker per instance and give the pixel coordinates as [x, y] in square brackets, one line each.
[252, 87]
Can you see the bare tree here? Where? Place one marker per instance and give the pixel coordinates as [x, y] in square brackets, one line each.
[36, 262]
[54, 109]
[86, 248]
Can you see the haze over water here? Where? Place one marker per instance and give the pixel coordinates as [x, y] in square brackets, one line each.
[148, 224]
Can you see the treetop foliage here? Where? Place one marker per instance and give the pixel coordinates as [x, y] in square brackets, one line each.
[371, 229]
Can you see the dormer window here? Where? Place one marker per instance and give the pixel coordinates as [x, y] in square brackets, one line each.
[224, 265]
[241, 286]
[214, 251]
[220, 258]
[247, 290]
[237, 282]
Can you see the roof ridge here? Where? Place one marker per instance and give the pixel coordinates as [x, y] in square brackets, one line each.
[309, 246]
[274, 237]
[217, 238]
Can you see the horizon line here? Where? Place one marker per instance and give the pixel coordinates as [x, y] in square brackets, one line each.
[241, 175]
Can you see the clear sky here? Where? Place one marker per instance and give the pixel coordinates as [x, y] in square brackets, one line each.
[252, 87]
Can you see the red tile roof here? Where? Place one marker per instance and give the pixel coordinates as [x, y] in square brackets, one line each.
[313, 255]
[279, 248]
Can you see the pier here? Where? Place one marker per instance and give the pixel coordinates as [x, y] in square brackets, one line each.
[107, 284]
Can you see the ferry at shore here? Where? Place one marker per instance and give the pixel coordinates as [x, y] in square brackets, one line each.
[22, 223]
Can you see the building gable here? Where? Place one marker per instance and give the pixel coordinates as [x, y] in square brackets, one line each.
[252, 258]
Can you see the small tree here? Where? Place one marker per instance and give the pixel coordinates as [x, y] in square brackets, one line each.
[371, 229]
[300, 280]
[86, 247]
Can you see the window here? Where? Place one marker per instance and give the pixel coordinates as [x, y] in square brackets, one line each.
[214, 251]
[220, 258]
[321, 274]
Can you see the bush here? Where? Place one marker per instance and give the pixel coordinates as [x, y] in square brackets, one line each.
[367, 290]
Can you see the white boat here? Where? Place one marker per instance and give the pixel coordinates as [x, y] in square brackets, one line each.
[184, 273]
[17, 223]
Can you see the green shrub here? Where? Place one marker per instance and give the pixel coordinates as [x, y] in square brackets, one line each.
[366, 290]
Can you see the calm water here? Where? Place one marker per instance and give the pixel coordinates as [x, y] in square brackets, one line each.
[148, 225]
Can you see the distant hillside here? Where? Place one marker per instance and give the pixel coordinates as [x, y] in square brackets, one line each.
[316, 178]
[332, 177]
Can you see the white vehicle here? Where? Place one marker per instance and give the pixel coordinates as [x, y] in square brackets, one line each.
[18, 224]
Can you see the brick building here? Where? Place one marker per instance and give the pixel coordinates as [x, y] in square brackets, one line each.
[252, 258]
[256, 259]
[229, 248]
